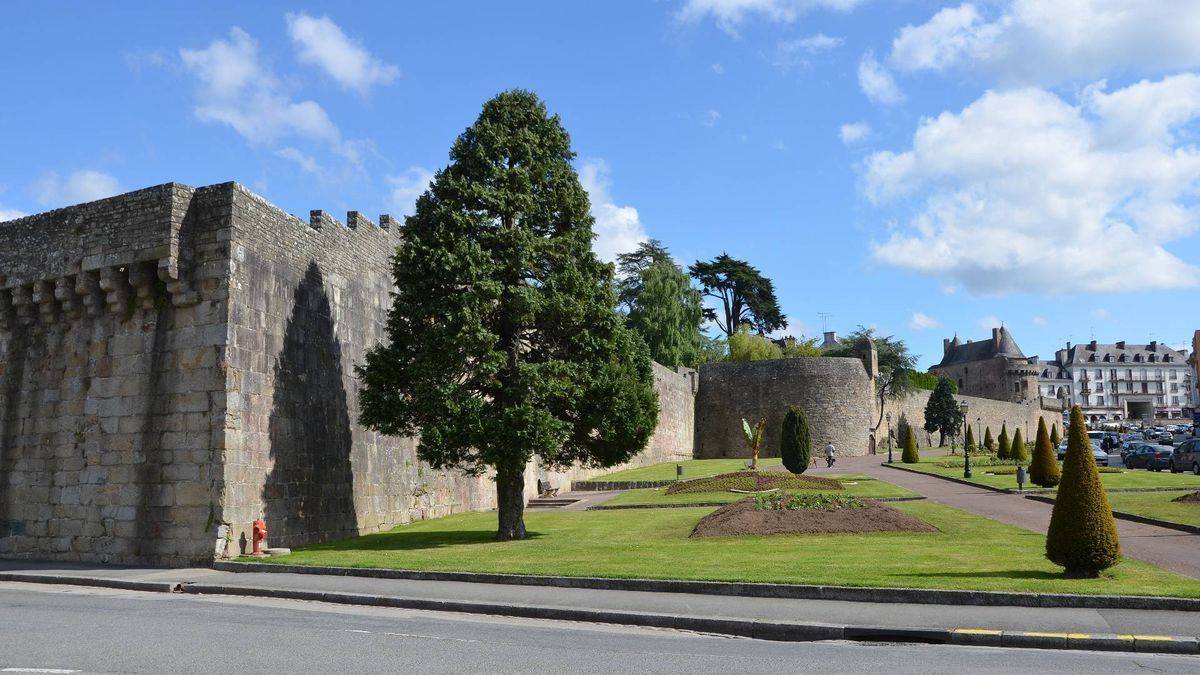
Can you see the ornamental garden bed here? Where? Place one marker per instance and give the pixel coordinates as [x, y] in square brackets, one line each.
[858, 485]
[806, 513]
[967, 552]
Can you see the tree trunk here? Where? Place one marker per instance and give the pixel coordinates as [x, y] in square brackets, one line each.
[510, 502]
[941, 438]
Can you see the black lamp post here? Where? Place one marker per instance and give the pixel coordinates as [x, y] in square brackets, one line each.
[966, 449]
[889, 433]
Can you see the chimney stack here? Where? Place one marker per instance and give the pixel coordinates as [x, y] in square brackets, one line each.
[945, 346]
[1121, 344]
[830, 339]
[996, 339]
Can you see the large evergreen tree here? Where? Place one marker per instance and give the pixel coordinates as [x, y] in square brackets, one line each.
[941, 412]
[632, 265]
[665, 310]
[746, 296]
[503, 340]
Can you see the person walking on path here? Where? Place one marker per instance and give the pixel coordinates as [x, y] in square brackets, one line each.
[829, 450]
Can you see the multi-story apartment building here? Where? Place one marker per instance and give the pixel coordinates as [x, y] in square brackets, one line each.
[1120, 381]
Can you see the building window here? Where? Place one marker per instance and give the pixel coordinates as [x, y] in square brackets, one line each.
[1100, 401]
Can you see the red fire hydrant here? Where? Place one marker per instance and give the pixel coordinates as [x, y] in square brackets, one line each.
[258, 535]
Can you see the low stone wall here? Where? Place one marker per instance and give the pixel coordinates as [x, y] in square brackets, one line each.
[983, 413]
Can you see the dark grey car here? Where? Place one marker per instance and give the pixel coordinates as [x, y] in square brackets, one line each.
[1186, 457]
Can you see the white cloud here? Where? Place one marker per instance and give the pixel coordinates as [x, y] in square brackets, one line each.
[81, 186]
[711, 117]
[10, 214]
[236, 89]
[305, 162]
[1023, 191]
[618, 228]
[854, 132]
[729, 14]
[407, 187]
[320, 42]
[989, 322]
[1051, 41]
[718, 69]
[1100, 313]
[876, 82]
[920, 321]
[1041, 321]
[792, 53]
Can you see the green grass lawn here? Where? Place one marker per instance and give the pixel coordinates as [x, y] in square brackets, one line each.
[858, 485]
[969, 552]
[1157, 505]
[692, 468]
[1127, 479]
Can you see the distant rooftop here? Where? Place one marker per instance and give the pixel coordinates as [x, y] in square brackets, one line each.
[1001, 344]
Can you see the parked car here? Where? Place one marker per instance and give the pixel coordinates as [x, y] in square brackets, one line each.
[1186, 457]
[1099, 455]
[1148, 456]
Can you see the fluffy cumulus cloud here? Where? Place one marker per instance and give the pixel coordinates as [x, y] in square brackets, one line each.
[1025, 191]
[81, 186]
[877, 82]
[618, 228]
[729, 14]
[854, 132]
[1051, 41]
[10, 214]
[921, 321]
[321, 42]
[406, 187]
[236, 89]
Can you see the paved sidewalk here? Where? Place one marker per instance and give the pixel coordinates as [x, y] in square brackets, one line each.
[1170, 549]
[888, 615]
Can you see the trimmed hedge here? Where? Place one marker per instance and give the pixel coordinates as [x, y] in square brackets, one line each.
[1003, 447]
[1055, 437]
[1018, 452]
[1043, 469]
[910, 454]
[969, 441]
[795, 442]
[1083, 536]
[989, 443]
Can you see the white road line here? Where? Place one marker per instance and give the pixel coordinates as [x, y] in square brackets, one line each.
[37, 670]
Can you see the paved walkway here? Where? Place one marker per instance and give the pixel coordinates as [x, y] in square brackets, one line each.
[1170, 549]
[892, 615]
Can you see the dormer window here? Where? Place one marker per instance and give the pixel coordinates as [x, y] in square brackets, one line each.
[1137, 358]
[1153, 358]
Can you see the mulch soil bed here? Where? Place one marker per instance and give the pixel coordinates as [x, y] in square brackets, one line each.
[1193, 498]
[755, 481]
[742, 518]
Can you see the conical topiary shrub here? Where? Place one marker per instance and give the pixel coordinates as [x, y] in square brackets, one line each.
[989, 443]
[1082, 537]
[910, 454]
[795, 442]
[1055, 437]
[1043, 469]
[969, 441]
[1017, 451]
[1002, 445]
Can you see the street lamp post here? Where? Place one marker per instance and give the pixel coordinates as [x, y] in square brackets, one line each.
[963, 407]
[889, 433]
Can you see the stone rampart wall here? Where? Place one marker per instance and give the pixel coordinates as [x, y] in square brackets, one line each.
[112, 326]
[835, 393]
[983, 414]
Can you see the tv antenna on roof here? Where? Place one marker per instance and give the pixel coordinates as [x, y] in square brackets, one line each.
[824, 321]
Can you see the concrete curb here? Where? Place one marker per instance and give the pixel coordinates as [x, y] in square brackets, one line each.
[1124, 515]
[785, 631]
[623, 507]
[754, 590]
[122, 584]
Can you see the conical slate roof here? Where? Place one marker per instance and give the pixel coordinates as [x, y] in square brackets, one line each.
[1001, 344]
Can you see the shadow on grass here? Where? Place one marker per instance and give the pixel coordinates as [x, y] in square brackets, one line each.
[412, 541]
[991, 574]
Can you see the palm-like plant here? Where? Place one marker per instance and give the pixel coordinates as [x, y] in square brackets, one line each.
[754, 437]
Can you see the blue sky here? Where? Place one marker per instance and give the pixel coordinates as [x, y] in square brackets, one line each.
[922, 167]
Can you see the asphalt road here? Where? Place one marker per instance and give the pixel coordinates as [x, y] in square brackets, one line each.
[71, 629]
